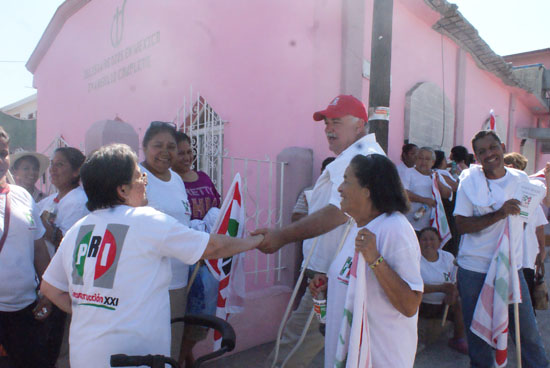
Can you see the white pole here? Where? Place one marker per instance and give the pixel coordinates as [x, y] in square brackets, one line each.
[446, 311]
[293, 297]
[302, 337]
[291, 302]
[518, 340]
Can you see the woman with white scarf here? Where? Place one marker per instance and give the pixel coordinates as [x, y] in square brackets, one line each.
[389, 291]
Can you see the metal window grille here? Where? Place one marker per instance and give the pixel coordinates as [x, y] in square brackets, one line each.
[262, 181]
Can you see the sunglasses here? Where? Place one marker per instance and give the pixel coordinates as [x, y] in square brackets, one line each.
[158, 124]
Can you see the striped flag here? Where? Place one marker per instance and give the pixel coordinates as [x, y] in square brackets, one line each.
[438, 218]
[501, 288]
[353, 349]
[229, 271]
[539, 175]
[492, 120]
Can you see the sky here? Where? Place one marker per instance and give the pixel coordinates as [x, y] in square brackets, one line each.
[508, 26]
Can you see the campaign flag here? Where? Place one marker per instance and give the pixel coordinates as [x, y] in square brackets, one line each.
[438, 218]
[229, 271]
[353, 349]
[492, 120]
[539, 175]
[501, 288]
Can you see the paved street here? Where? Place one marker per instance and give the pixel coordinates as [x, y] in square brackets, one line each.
[436, 355]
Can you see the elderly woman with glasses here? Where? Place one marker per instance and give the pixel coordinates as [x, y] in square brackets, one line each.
[112, 270]
[382, 238]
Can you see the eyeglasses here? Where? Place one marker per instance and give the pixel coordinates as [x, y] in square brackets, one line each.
[142, 178]
[158, 124]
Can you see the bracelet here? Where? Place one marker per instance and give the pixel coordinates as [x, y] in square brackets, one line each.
[376, 263]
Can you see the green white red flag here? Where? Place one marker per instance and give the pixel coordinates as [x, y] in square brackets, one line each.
[353, 348]
[501, 288]
[229, 271]
[438, 218]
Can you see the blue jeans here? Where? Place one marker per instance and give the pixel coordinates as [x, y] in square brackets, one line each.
[481, 354]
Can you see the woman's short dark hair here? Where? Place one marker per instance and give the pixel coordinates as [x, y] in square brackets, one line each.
[75, 159]
[459, 154]
[182, 137]
[104, 171]
[326, 162]
[482, 134]
[33, 160]
[378, 174]
[157, 127]
[406, 149]
[439, 158]
[426, 229]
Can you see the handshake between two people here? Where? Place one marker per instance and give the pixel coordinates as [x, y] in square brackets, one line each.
[273, 240]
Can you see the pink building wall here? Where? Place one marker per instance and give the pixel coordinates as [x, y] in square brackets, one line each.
[262, 95]
[416, 57]
[264, 67]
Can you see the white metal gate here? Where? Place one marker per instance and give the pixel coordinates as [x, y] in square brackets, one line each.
[263, 187]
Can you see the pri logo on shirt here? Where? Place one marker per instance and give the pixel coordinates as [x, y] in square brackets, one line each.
[343, 275]
[100, 252]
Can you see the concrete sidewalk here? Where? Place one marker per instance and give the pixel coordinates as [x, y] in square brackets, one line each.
[436, 355]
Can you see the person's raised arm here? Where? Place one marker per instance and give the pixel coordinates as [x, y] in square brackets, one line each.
[318, 223]
[453, 184]
[474, 224]
[222, 246]
[413, 197]
[399, 293]
[444, 190]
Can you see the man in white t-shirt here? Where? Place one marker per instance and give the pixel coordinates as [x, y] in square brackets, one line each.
[112, 269]
[484, 203]
[346, 130]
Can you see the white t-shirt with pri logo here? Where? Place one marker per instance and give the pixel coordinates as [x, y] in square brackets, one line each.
[397, 243]
[18, 280]
[437, 273]
[170, 197]
[115, 265]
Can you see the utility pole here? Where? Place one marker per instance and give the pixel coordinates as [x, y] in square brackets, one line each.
[380, 71]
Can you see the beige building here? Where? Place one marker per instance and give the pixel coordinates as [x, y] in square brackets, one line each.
[25, 108]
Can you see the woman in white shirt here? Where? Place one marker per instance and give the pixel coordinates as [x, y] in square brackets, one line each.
[23, 257]
[112, 269]
[418, 185]
[59, 212]
[438, 273]
[440, 166]
[166, 193]
[373, 196]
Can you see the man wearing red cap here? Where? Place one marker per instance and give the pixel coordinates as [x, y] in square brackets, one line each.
[346, 130]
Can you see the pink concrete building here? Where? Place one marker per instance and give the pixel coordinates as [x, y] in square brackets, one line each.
[261, 69]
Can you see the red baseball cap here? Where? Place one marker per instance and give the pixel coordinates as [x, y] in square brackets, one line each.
[341, 106]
